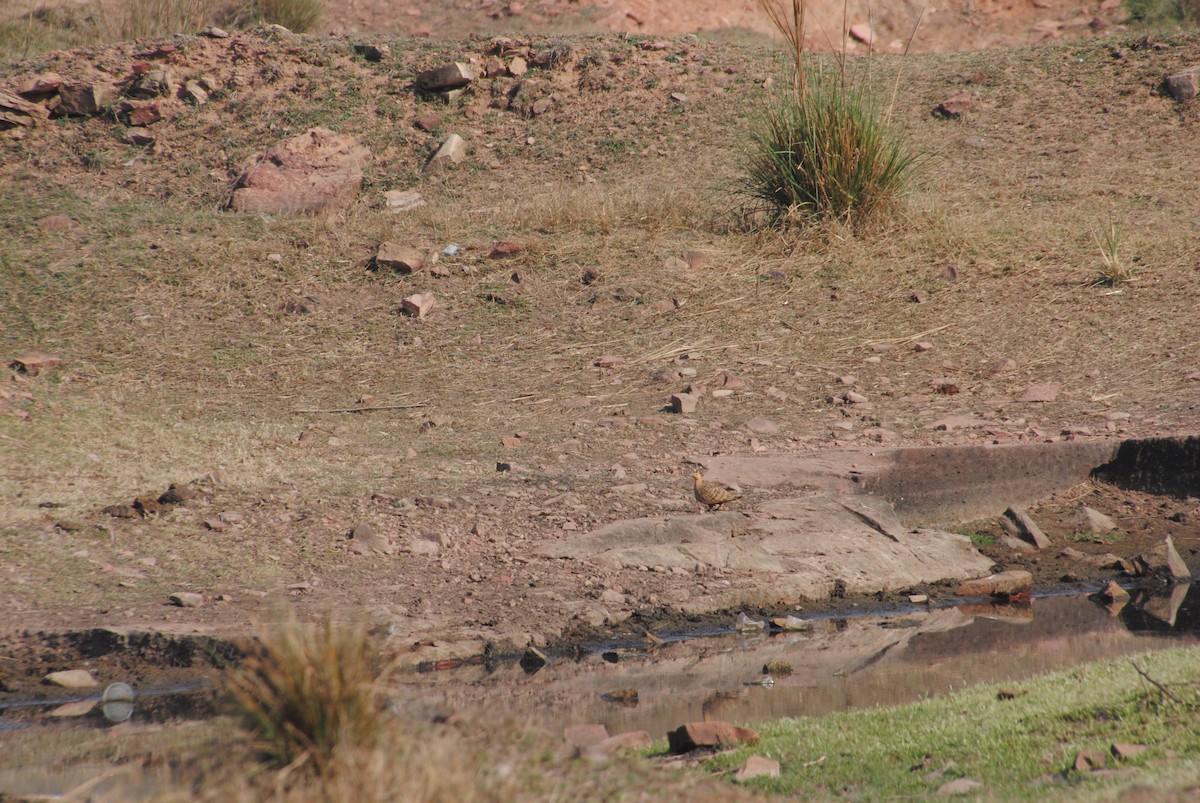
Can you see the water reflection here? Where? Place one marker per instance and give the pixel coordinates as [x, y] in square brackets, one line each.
[838, 665]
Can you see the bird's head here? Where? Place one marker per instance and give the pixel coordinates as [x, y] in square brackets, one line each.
[696, 477]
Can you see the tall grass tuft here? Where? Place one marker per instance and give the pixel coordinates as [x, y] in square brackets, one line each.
[1114, 269]
[298, 16]
[823, 148]
[310, 692]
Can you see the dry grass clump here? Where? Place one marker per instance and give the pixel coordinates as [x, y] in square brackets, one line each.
[50, 27]
[295, 15]
[310, 693]
[1114, 269]
[823, 149]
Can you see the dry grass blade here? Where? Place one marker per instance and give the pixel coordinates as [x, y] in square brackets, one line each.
[310, 692]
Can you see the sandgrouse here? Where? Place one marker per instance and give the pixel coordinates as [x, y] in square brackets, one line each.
[712, 496]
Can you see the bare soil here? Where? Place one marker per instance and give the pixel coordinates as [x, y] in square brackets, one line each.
[196, 343]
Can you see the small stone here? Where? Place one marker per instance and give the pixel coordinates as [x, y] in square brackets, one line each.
[72, 679]
[861, 32]
[608, 361]
[187, 599]
[744, 622]
[1088, 520]
[399, 258]
[398, 201]
[533, 659]
[762, 426]
[918, 599]
[1027, 528]
[1113, 592]
[215, 524]
[417, 306]
[76, 709]
[447, 76]
[854, 397]
[791, 623]
[1183, 86]
[365, 536]
[922, 346]
[1001, 366]
[33, 362]
[144, 115]
[684, 403]
[41, 86]
[1162, 560]
[193, 92]
[83, 99]
[757, 767]
[710, 733]
[424, 546]
[504, 249]
[213, 32]
[517, 67]
[1005, 584]
[1045, 392]
[954, 106]
[372, 53]
[1124, 751]
[453, 151]
[1088, 760]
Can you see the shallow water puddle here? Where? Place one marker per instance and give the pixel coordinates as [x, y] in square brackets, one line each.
[841, 663]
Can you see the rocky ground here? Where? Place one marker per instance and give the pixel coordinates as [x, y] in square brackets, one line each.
[408, 433]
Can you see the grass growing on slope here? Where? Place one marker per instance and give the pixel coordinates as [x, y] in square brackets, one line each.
[1019, 743]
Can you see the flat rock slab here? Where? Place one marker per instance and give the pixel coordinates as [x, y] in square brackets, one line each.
[807, 543]
[927, 484]
[317, 171]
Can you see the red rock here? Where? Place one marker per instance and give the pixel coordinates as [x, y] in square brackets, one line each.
[41, 86]
[1005, 584]
[418, 305]
[428, 122]
[16, 111]
[713, 733]
[144, 115]
[1045, 392]
[503, 249]
[83, 99]
[311, 173]
[1088, 760]
[608, 361]
[1127, 751]
[399, 258]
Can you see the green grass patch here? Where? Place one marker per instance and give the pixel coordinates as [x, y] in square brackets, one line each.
[1113, 537]
[1020, 744]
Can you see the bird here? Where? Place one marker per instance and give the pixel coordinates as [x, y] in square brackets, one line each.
[712, 496]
